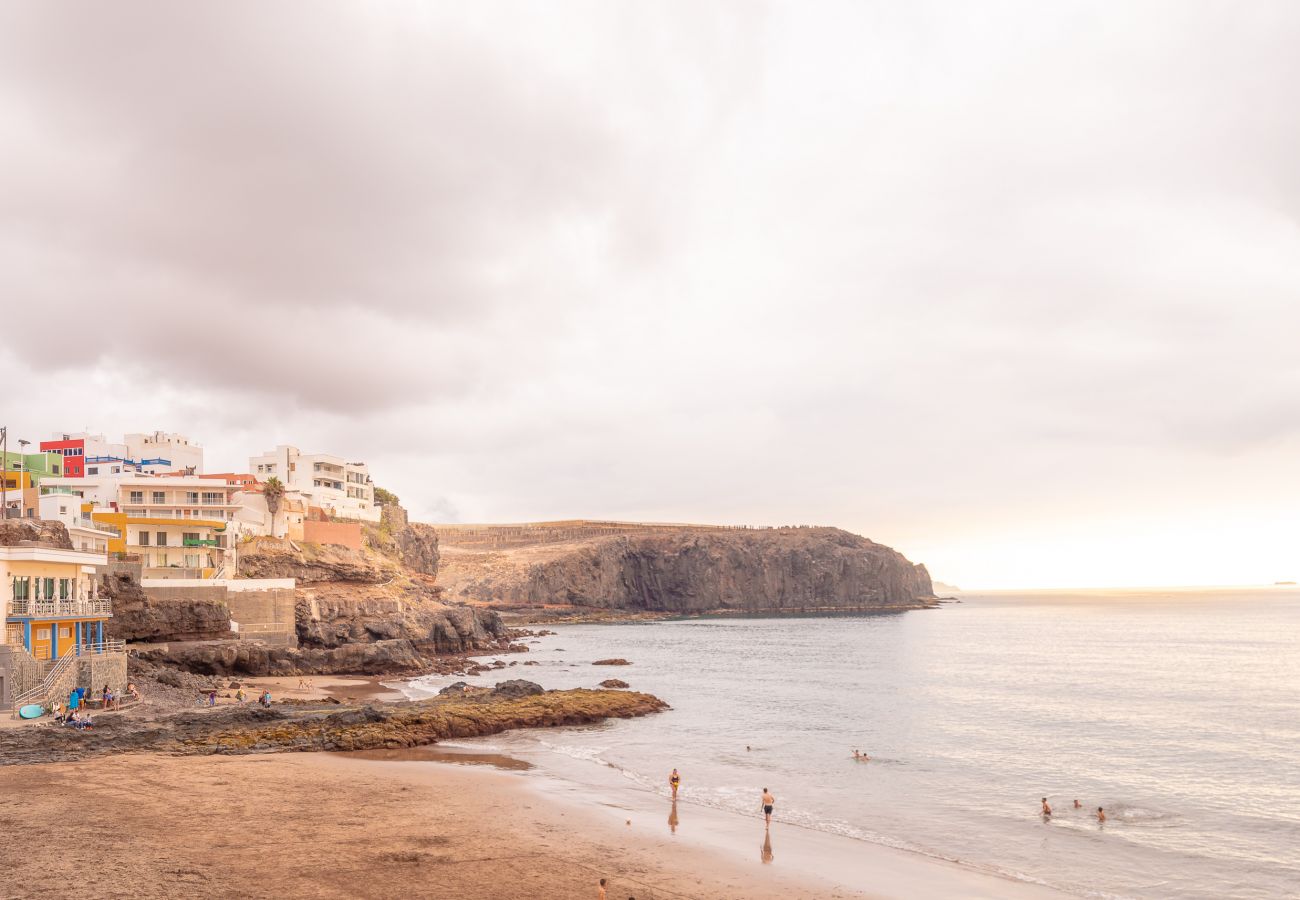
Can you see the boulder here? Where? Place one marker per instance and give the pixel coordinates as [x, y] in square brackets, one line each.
[517, 687]
[614, 683]
[611, 662]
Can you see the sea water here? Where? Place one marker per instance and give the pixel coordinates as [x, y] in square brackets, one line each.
[1176, 711]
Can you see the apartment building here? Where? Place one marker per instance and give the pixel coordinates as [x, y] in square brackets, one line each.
[52, 605]
[339, 487]
[175, 524]
[85, 454]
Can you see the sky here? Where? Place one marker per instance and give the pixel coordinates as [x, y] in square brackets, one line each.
[1011, 287]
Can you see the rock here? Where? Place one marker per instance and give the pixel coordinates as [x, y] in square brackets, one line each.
[689, 570]
[336, 618]
[614, 683]
[319, 727]
[137, 617]
[233, 686]
[531, 662]
[268, 557]
[457, 688]
[611, 662]
[14, 532]
[517, 687]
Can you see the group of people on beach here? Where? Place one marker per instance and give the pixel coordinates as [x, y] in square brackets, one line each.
[1047, 811]
[766, 804]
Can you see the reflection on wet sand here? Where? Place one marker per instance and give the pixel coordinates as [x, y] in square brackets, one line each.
[672, 818]
[765, 853]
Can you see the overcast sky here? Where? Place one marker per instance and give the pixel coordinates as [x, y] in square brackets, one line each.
[1012, 287]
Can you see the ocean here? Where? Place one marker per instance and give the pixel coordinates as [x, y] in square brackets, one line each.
[1176, 711]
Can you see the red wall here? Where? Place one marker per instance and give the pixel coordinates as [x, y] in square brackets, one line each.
[73, 466]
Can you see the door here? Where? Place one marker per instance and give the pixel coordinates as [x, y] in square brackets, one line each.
[41, 641]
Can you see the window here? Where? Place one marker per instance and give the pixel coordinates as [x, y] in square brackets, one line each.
[117, 470]
[48, 584]
[136, 496]
[42, 634]
[211, 498]
[162, 539]
[22, 587]
[65, 631]
[190, 539]
[144, 539]
[63, 588]
[192, 497]
[159, 497]
[93, 470]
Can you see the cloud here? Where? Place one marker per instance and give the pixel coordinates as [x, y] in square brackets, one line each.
[922, 271]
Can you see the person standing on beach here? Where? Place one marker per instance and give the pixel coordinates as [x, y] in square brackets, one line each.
[674, 781]
[600, 890]
[768, 802]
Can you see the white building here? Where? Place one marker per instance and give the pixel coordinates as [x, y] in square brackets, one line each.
[82, 529]
[339, 487]
[155, 451]
[170, 452]
[178, 525]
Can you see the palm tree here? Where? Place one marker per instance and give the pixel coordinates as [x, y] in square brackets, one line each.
[273, 492]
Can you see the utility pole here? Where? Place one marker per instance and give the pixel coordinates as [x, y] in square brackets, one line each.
[4, 479]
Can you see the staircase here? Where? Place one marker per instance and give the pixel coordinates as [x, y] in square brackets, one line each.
[61, 674]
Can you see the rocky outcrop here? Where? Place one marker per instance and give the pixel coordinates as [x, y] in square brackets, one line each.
[314, 727]
[611, 662]
[268, 557]
[17, 531]
[413, 544]
[255, 659]
[694, 570]
[335, 619]
[137, 617]
[614, 683]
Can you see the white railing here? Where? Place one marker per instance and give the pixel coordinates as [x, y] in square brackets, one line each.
[57, 608]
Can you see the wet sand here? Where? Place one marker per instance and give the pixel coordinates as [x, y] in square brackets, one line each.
[323, 687]
[339, 826]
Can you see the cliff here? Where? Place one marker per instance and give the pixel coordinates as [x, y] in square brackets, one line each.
[687, 570]
[138, 617]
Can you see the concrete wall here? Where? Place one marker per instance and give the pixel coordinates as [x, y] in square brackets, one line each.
[345, 534]
[93, 672]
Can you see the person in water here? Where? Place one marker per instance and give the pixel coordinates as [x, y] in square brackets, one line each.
[1047, 809]
[768, 802]
[600, 890]
[1078, 805]
[1101, 816]
[674, 781]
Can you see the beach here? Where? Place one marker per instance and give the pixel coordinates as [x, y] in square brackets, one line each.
[339, 825]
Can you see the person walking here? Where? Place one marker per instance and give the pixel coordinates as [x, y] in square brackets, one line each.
[674, 781]
[768, 802]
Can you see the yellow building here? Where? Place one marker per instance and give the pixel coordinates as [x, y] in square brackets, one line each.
[51, 600]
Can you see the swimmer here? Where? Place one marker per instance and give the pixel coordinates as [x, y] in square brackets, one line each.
[674, 781]
[1078, 805]
[747, 748]
[1047, 809]
[600, 890]
[1101, 816]
[768, 802]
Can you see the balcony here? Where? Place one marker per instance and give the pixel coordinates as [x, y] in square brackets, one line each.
[58, 609]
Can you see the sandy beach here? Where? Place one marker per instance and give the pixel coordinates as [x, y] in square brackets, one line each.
[343, 825]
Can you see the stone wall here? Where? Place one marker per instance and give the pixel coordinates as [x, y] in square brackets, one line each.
[265, 614]
[19, 672]
[95, 671]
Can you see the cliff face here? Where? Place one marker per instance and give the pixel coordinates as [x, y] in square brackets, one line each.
[267, 557]
[334, 619]
[690, 570]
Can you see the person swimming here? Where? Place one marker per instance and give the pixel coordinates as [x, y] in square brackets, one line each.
[1078, 805]
[1101, 816]
[1047, 809]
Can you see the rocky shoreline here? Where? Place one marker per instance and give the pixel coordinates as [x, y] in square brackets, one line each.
[324, 725]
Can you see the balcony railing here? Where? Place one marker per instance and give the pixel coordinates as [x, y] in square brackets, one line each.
[60, 608]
